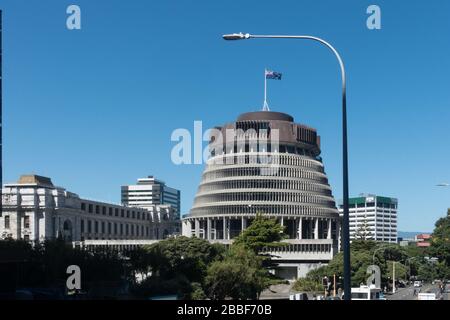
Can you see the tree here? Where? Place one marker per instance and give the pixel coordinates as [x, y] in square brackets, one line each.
[183, 256]
[240, 275]
[363, 232]
[245, 270]
[440, 243]
[262, 233]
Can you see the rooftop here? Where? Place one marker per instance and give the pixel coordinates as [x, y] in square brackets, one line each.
[35, 179]
[265, 115]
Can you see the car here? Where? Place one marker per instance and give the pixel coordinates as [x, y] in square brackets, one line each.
[417, 284]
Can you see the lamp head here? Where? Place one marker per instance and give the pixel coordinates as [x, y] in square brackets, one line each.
[236, 36]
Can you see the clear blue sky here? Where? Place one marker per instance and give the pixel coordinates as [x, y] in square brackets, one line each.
[94, 109]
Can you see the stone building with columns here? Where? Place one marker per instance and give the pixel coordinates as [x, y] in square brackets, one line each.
[34, 209]
[266, 163]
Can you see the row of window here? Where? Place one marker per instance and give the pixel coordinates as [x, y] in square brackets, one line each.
[258, 146]
[272, 209]
[265, 196]
[281, 159]
[116, 212]
[114, 228]
[371, 205]
[7, 222]
[281, 184]
[308, 247]
[261, 171]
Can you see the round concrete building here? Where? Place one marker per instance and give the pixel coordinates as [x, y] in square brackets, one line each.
[266, 163]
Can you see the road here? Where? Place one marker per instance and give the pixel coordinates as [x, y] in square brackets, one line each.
[408, 293]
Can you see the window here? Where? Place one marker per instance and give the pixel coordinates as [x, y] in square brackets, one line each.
[82, 226]
[97, 209]
[26, 237]
[96, 226]
[7, 222]
[103, 227]
[104, 210]
[110, 211]
[83, 206]
[90, 208]
[89, 226]
[116, 211]
[26, 222]
[115, 228]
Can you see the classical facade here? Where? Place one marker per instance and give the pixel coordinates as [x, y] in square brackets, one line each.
[34, 209]
[266, 163]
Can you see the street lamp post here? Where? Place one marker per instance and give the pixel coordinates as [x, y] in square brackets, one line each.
[345, 224]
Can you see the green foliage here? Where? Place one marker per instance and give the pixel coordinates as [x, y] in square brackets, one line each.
[244, 271]
[262, 233]
[362, 254]
[197, 292]
[183, 256]
[45, 264]
[240, 275]
[307, 285]
[401, 271]
[440, 244]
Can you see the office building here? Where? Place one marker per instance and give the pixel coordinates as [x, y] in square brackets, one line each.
[373, 217]
[149, 192]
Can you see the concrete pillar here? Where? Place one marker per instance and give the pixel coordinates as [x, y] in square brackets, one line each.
[197, 228]
[208, 228]
[316, 228]
[224, 229]
[329, 229]
[243, 224]
[300, 225]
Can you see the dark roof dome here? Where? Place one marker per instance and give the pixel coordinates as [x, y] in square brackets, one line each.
[265, 115]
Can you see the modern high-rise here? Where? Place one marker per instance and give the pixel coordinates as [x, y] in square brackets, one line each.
[270, 165]
[150, 191]
[373, 217]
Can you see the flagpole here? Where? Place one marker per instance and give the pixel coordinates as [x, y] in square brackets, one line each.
[265, 106]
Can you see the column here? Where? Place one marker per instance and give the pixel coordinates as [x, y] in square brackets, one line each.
[197, 228]
[243, 224]
[208, 228]
[329, 229]
[300, 226]
[316, 228]
[224, 228]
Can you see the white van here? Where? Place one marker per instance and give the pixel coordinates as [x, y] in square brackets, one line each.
[367, 293]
